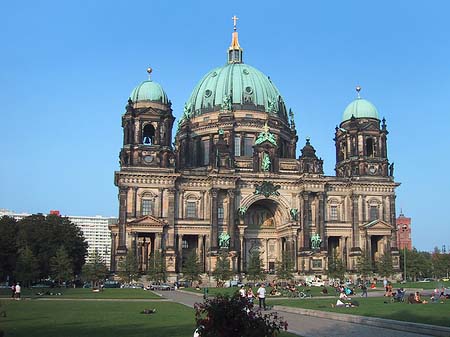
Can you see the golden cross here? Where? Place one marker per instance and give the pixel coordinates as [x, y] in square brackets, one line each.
[235, 18]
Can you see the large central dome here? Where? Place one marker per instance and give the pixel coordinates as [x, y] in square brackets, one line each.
[234, 83]
[235, 86]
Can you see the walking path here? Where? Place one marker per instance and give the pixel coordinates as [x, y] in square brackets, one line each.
[307, 326]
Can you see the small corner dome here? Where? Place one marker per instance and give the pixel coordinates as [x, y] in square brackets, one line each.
[360, 108]
[149, 91]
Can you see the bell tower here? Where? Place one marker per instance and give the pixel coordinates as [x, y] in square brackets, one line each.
[361, 142]
[147, 128]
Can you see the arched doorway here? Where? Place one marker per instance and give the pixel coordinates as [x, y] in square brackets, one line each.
[262, 236]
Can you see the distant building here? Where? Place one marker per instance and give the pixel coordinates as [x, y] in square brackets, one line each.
[95, 231]
[97, 234]
[404, 232]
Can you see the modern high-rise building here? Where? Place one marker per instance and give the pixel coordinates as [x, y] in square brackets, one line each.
[232, 182]
[95, 231]
[404, 232]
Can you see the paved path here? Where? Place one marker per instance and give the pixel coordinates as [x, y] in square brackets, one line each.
[307, 326]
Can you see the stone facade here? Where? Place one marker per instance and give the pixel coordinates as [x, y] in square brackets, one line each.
[233, 169]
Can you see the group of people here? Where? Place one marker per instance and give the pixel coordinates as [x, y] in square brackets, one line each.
[345, 301]
[250, 295]
[15, 291]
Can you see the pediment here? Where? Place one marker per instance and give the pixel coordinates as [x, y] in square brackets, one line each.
[147, 221]
[377, 225]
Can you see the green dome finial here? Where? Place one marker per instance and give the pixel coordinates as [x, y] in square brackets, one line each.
[360, 108]
[149, 91]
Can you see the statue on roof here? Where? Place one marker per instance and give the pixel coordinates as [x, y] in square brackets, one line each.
[266, 135]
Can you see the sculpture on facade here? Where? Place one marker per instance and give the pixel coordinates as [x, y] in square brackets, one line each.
[315, 241]
[224, 240]
[242, 210]
[267, 188]
[266, 135]
[265, 164]
[294, 214]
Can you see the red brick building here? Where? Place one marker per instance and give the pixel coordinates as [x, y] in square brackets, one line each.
[404, 232]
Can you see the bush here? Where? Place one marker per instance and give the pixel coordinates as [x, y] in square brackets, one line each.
[225, 316]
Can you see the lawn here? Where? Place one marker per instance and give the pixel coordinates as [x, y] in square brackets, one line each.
[108, 293]
[68, 318]
[436, 314]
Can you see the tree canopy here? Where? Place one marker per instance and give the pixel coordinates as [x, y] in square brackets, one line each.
[43, 236]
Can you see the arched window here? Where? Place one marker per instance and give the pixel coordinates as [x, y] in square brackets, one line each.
[148, 137]
[369, 147]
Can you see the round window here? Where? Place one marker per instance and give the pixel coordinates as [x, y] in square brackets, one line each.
[248, 90]
[208, 93]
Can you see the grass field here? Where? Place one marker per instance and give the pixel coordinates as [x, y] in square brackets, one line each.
[109, 293]
[431, 313]
[69, 318]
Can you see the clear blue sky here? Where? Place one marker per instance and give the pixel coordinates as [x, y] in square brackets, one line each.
[68, 68]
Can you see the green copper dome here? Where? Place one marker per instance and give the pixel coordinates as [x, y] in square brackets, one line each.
[234, 86]
[149, 91]
[360, 108]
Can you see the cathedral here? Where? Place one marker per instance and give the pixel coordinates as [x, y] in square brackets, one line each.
[232, 183]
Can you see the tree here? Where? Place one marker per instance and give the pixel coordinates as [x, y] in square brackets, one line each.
[8, 247]
[285, 267]
[27, 269]
[156, 269]
[255, 271]
[225, 316]
[45, 234]
[128, 267]
[384, 265]
[192, 267]
[364, 265]
[418, 264]
[95, 271]
[441, 264]
[223, 270]
[336, 268]
[61, 266]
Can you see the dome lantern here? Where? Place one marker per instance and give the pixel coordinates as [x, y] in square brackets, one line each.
[235, 50]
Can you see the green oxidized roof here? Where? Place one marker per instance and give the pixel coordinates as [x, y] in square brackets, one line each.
[232, 84]
[149, 91]
[360, 108]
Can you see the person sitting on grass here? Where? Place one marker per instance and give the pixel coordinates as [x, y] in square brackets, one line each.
[418, 299]
[148, 311]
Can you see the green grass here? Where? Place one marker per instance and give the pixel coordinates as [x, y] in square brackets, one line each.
[108, 293]
[92, 319]
[68, 318]
[431, 313]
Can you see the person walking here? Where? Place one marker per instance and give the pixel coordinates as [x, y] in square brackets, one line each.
[13, 291]
[364, 290]
[262, 296]
[18, 290]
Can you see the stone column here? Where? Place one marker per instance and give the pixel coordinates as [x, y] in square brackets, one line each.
[306, 225]
[320, 222]
[146, 244]
[180, 252]
[355, 221]
[242, 247]
[231, 224]
[158, 241]
[122, 249]
[134, 196]
[200, 251]
[170, 194]
[113, 251]
[214, 220]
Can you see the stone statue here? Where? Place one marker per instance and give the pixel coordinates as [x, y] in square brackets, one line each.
[242, 210]
[265, 164]
[224, 240]
[294, 214]
[391, 170]
[316, 241]
[266, 135]
[226, 105]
